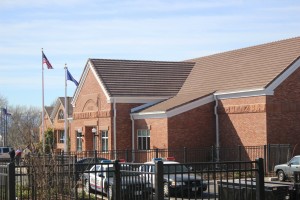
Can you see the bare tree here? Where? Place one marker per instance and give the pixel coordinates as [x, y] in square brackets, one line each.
[23, 126]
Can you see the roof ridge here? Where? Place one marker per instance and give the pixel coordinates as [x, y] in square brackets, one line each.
[129, 60]
[243, 48]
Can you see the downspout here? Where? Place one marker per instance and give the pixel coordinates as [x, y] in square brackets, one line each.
[132, 133]
[115, 131]
[217, 129]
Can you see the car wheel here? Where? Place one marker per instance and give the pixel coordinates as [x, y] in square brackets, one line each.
[166, 190]
[110, 192]
[281, 175]
[87, 188]
[199, 192]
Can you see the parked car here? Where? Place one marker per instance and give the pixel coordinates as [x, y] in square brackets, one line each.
[4, 152]
[286, 171]
[178, 178]
[85, 164]
[100, 178]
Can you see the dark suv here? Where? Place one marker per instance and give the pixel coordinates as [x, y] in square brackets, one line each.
[178, 179]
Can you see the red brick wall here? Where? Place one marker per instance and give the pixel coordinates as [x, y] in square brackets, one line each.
[242, 121]
[123, 125]
[91, 110]
[192, 129]
[283, 113]
[158, 132]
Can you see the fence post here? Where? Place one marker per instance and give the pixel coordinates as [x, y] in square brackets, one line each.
[289, 152]
[260, 183]
[126, 155]
[240, 152]
[156, 153]
[265, 159]
[159, 180]
[212, 154]
[184, 155]
[11, 179]
[269, 157]
[117, 181]
[95, 155]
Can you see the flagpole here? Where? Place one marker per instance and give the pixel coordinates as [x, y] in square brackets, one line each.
[43, 132]
[66, 112]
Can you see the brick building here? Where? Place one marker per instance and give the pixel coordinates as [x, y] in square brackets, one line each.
[243, 97]
[54, 119]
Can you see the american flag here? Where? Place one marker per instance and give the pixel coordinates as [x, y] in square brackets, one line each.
[45, 60]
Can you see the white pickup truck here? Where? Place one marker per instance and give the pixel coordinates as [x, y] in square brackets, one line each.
[101, 178]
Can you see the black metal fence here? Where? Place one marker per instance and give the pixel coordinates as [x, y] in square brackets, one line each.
[58, 178]
[272, 154]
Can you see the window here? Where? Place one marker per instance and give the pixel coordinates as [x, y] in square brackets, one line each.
[104, 141]
[79, 141]
[143, 139]
[61, 114]
[61, 134]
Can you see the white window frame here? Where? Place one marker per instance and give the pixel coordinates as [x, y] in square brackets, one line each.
[61, 114]
[78, 141]
[141, 135]
[61, 136]
[104, 140]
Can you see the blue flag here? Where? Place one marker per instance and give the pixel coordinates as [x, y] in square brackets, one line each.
[70, 78]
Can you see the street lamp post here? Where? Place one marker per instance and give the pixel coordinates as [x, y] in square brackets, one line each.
[4, 125]
[94, 131]
[79, 136]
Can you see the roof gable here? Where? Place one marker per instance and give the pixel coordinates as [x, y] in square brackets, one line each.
[48, 111]
[248, 68]
[61, 102]
[131, 78]
[251, 71]
[132, 81]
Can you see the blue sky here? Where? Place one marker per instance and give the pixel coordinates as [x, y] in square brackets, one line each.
[71, 31]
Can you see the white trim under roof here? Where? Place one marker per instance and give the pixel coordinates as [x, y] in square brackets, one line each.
[243, 93]
[223, 95]
[78, 89]
[99, 80]
[143, 106]
[136, 99]
[176, 111]
[285, 75]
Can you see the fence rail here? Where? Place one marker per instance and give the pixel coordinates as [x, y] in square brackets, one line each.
[272, 154]
[57, 179]
[57, 176]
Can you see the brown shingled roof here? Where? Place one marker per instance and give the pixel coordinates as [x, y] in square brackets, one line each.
[243, 69]
[70, 107]
[130, 78]
[49, 109]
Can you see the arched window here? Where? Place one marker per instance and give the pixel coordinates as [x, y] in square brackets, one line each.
[61, 114]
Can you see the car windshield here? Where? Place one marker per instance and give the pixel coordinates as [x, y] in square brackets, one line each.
[295, 161]
[169, 169]
[109, 172]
